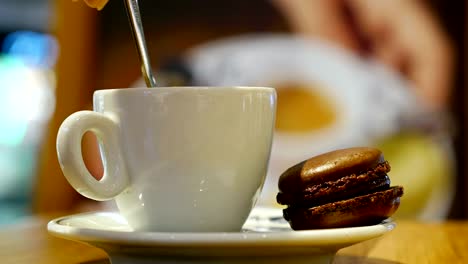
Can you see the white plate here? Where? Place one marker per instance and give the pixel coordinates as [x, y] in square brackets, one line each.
[266, 238]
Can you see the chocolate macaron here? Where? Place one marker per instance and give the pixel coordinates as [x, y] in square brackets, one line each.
[342, 188]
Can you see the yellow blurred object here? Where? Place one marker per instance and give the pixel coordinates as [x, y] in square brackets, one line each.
[424, 169]
[303, 108]
[98, 4]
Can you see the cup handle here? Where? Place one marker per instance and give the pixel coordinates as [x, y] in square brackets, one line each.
[70, 134]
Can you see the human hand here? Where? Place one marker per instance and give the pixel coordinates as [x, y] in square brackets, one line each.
[402, 34]
[98, 4]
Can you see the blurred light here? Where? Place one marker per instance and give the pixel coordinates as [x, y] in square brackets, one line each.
[25, 96]
[36, 49]
[12, 129]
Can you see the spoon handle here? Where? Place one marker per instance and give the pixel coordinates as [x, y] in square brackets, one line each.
[133, 12]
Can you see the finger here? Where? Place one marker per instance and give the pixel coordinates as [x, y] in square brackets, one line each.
[430, 55]
[390, 54]
[319, 18]
[405, 35]
[371, 17]
[98, 4]
[432, 76]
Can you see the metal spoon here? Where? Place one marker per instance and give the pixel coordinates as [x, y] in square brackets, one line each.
[133, 12]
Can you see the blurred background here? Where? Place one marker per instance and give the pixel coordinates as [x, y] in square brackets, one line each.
[380, 73]
[28, 52]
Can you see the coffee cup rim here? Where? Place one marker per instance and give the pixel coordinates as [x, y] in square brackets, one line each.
[182, 88]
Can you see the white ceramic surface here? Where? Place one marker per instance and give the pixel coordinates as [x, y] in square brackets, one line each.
[266, 238]
[175, 157]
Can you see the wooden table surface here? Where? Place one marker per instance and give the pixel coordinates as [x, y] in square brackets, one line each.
[411, 242]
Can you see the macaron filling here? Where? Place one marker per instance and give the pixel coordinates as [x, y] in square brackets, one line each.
[373, 180]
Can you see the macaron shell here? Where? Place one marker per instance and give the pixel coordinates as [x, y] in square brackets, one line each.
[329, 167]
[362, 210]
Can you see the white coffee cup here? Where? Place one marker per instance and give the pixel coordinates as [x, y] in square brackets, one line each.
[176, 159]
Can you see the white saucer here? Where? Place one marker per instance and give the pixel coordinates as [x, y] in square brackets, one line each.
[266, 238]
